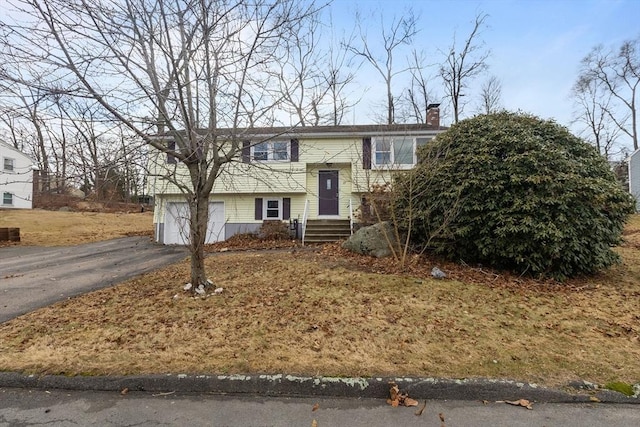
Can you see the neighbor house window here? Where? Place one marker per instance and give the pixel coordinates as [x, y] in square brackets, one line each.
[7, 199]
[271, 151]
[396, 151]
[7, 164]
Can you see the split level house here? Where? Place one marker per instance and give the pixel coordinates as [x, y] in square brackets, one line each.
[312, 178]
[16, 178]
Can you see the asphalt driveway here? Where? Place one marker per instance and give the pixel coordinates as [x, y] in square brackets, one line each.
[32, 277]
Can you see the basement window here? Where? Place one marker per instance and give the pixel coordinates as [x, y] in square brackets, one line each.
[272, 209]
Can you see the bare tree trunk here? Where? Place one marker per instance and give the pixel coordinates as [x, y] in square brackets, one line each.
[198, 220]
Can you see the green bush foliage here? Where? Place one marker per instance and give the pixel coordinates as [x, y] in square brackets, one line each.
[513, 191]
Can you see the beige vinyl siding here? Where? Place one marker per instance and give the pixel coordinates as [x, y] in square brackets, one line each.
[270, 177]
[339, 150]
[239, 208]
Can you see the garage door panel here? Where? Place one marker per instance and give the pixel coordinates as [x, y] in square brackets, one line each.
[176, 228]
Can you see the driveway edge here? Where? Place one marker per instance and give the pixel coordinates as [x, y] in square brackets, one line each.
[300, 386]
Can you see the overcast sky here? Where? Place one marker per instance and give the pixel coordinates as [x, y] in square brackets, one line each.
[536, 45]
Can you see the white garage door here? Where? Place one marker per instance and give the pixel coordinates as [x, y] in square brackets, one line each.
[176, 223]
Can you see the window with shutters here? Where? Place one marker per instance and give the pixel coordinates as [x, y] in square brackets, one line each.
[396, 151]
[271, 151]
[272, 209]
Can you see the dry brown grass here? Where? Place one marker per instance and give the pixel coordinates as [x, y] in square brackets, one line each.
[331, 313]
[53, 228]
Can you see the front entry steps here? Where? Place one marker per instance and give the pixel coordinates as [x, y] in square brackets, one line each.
[327, 230]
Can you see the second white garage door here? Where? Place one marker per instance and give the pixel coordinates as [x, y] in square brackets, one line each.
[176, 223]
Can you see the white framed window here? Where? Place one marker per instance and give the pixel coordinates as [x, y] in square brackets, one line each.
[8, 164]
[7, 199]
[272, 209]
[271, 151]
[396, 151]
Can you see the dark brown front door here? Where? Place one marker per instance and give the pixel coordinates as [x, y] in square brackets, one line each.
[328, 193]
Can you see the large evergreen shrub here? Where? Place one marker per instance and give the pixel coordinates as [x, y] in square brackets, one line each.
[514, 191]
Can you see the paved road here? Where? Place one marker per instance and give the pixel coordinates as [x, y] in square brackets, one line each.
[74, 408]
[33, 277]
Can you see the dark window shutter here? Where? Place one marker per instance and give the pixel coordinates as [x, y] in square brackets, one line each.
[171, 159]
[286, 208]
[295, 146]
[246, 152]
[258, 209]
[366, 153]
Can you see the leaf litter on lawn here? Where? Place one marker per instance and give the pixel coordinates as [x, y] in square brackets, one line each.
[330, 312]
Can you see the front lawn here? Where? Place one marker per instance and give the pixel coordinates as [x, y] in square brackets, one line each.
[327, 312]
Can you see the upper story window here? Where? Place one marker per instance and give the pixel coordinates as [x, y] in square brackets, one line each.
[8, 164]
[276, 151]
[396, 151]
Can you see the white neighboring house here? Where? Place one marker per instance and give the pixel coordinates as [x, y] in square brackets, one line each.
[16, 178]
[634, 177]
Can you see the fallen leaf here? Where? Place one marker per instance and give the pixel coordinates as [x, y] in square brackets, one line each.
[522, 402]
[315, 407]
[441, 415]
[410, 402]
[485, 402]
[124, 391]
[421, 410]
[594, 399]
[314, 423]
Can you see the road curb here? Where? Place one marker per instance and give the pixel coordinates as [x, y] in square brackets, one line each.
[291, 385]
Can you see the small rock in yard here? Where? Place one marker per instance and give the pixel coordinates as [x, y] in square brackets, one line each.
[187, 286]
[200, 290]
[437, 273]
[218, 291]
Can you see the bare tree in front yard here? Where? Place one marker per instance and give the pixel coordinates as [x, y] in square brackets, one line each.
[182, 69]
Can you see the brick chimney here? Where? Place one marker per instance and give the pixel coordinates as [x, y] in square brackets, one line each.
[433, 115]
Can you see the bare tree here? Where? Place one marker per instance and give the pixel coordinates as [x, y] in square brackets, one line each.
[312, 76]
[183, 68]
[399, 33]
[418, 96]
[462, 65]
[491, 95]
[593, 103]
[338, 76]
[28, 108]
[617, 72]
